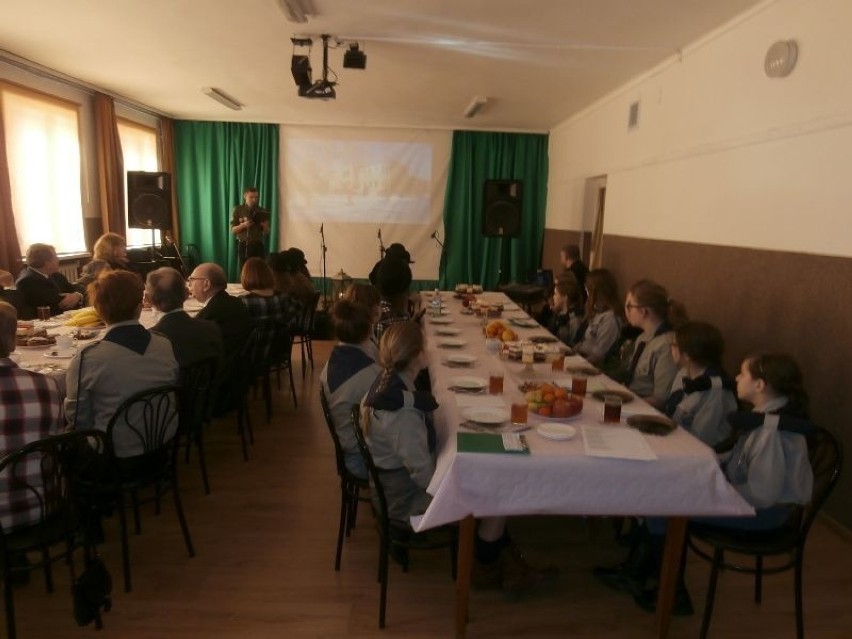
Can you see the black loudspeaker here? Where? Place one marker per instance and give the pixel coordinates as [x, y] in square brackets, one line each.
[501, 208]
[149, 200]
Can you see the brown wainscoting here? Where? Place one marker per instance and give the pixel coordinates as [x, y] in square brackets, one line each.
[763, 300]
[555, 239]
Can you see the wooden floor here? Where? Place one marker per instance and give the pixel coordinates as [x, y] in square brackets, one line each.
[265, 550]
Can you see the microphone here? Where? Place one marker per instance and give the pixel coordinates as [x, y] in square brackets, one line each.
[434, 235]
[321, 227]
[379, 234]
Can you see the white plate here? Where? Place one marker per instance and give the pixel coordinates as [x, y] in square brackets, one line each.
[510, 306]
[41, 324]
[448, 331]
[67, 353]
[461, 358]
[524, 323]
[469, 383]
[451, 343]
[441, 320]
[35, 347]
[486, 415]
[559, 432]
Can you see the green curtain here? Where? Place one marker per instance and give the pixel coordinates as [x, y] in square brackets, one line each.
[476, 157]
[214, 163]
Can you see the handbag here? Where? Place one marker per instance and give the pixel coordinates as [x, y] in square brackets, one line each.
[91, 592]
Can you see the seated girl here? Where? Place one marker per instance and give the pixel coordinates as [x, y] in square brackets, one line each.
[702, 395]
[650, 370]
[398, 428]
[567, 314]
[603, 314]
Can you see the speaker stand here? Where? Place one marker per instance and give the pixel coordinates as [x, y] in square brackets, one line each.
[503, 273]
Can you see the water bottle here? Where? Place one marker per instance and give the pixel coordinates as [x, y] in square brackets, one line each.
[436, 303]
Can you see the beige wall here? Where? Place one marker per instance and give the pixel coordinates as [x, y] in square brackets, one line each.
[734, 191]
[723, 154]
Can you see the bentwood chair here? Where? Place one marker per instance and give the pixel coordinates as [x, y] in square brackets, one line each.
[303, 332]
[197, 383]
[787, 541]
[147, 422]
[350, 485]
[39, 484]
[396, 537]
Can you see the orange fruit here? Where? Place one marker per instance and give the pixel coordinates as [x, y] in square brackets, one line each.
[544, 411]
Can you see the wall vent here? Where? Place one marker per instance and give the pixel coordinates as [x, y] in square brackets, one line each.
[633, 116]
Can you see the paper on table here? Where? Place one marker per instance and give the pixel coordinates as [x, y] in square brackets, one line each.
[464, 400]
[613, 441]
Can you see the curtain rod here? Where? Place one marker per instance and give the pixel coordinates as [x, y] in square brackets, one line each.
[12, 60]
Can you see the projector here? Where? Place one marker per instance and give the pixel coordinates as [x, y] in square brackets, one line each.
[319, 90]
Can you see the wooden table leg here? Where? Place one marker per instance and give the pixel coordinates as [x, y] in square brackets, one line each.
[467, 529]
[675, 535]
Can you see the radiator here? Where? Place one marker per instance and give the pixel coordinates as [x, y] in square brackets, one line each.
[70, 270]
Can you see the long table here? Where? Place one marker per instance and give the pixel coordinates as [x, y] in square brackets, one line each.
[557, 477]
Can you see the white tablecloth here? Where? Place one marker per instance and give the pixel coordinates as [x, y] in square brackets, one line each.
[557, 477]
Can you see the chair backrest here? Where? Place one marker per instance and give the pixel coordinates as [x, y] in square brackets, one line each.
[269, 343]
[305, 324]
[329, 421]
[144, 423]
[826, 459]
[197, 382]
[377, 491]
[36, 481]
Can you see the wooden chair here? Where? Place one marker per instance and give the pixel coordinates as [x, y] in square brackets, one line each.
[350, 485]
[40, 477]
[149, 420]
[788, 541]
[397, 537]
[303, 332]
[197, 385]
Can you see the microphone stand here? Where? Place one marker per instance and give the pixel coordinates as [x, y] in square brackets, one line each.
[441, 263]
[381, 246]
[324, 249]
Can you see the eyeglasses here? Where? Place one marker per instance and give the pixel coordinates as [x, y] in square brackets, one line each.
[193, 279]
[628, 306]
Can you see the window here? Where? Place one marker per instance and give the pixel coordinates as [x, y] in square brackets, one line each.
[139, 150]
[43, 147]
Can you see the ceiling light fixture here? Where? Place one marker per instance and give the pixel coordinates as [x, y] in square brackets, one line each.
[297, 10]
[475, 105]
[222, 98]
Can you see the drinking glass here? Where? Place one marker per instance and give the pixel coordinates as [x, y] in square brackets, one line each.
[612, 409]
[579, 382]
[495, 381]
[43, 313]
[519, 410]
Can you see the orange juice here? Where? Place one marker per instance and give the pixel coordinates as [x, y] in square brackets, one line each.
[519, 411]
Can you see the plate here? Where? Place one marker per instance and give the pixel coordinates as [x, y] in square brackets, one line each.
[34, 347]
[451, 343]
[448, 331]
[469, 383]
[461, 358]
[67, 353]
[523, 323]
[624, 395]
[490, 415]
[558, 432]
[652, 424]
[510, 306]
[543, 339]
[441, 320]
[41, 324]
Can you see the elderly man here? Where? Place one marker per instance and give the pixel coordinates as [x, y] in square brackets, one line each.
[129, 359]
[41, 283]
[207, 285]
[192, 339]
[31, 409]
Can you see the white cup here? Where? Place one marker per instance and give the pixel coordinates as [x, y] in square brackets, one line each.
[64, 342]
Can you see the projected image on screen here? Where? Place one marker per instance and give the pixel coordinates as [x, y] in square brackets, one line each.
[358, 181]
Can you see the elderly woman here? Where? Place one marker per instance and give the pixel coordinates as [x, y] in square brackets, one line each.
[128, 359]
[109, 253]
